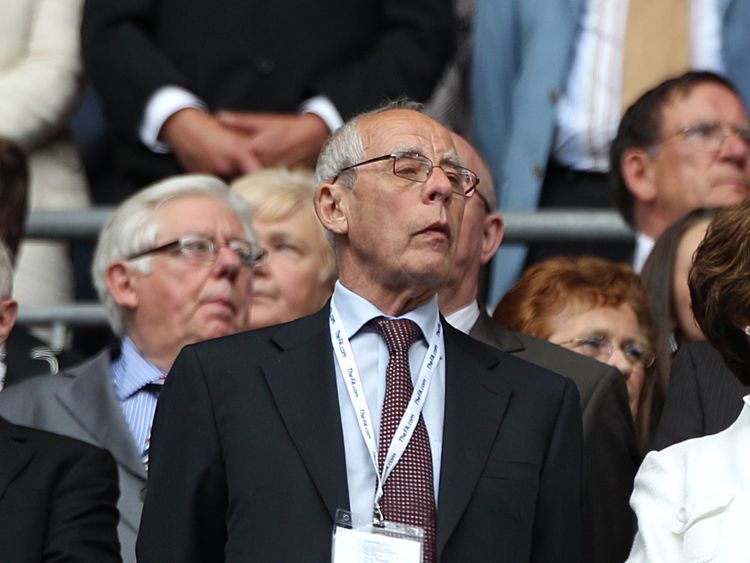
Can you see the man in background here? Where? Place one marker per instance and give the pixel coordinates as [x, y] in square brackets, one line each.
[173, 266]
[610, 455]
[683, 145]
[230, 86]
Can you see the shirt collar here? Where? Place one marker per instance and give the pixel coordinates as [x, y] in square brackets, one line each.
[465, 318]
[355, 312]
[643, 246]
[131, 371]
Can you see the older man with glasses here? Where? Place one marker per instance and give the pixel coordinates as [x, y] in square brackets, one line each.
[173, 266]
[683, 145]
[371, 430]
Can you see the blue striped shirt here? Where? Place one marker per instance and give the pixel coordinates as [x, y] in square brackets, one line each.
[131, 373]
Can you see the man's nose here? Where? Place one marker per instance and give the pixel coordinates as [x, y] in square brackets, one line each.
[227, 263]
[438, 187]
[734, 147]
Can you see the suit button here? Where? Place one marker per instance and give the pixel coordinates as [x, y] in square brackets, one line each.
[537, 171]
[553, 95]
[264, 65]
[142, 494]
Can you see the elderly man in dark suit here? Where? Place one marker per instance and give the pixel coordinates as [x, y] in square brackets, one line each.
[373, 405]
[610, 455]
[173, 266]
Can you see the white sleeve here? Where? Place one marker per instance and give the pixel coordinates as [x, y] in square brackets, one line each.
[164, 103]
[323, 107]
[658, 502]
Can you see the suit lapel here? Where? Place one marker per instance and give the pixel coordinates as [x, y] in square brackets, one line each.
[14, 453]
[475, 402]
[303, 382]
[489, 332]
[90, 399]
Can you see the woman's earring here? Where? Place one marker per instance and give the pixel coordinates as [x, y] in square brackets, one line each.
[747, 330]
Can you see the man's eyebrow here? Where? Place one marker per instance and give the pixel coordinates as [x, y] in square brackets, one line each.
[451, 158]
[408, 149]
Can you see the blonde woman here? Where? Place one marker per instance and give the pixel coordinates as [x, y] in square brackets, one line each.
[298, 275]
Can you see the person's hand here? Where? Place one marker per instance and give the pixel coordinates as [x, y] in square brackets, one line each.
[280, 139]
[202, 144]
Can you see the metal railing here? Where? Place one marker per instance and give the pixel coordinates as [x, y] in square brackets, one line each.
[540, 226]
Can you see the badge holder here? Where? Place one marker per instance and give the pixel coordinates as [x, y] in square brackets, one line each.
[365, 542]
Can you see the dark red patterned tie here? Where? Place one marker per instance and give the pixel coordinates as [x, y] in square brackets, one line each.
[408, 495]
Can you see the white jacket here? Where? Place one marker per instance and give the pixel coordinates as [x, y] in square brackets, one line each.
[692, 499]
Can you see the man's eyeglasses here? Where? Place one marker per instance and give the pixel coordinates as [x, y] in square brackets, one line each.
[600, 348]
[709, 136]
[205, 249]
[418, 168]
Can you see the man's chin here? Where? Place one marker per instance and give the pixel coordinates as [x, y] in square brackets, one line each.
[216, 328]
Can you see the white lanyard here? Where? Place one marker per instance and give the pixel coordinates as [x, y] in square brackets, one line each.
[343, 351]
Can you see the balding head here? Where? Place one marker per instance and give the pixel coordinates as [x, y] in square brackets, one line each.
[481, 233]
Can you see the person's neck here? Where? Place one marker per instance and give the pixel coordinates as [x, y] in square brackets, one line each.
[391, 302]
[452, 298]
[162, 358]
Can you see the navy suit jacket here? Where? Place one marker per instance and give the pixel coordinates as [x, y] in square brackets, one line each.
[248, 463]
[57, 499]
[610, 454]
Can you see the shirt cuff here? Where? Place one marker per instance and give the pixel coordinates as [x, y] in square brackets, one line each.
[325, 110]
[162, 105]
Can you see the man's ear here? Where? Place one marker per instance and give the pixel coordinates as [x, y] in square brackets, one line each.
[637, 171]
[494, 228]
[8, 314]
[330, 206]
[121, 284]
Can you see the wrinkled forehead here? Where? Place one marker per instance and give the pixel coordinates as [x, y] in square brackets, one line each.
[399, 130]
[704, 101]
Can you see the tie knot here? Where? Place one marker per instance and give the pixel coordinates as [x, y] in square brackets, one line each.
[399, 334]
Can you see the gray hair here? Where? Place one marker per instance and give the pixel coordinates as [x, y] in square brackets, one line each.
[6, 272]
[133, 229]
[345, 148]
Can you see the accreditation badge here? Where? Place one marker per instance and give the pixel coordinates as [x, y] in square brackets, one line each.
[389, 542]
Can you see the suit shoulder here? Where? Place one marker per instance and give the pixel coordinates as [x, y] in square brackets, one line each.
[63, 447]
[34, 388]
[260, 344]
[518, 371]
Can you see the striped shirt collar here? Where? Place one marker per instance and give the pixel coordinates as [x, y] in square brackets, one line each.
[131, 371]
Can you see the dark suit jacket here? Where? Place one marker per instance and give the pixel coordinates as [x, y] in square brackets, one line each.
[703, 398]
[28, 356]
[258, 55]
[81, 403]
[57, 499]
[610, 455]
[248, 463]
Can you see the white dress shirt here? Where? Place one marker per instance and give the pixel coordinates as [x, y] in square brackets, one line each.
[644, 244]
[371, 356]
[464, 318]
[588, 112]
